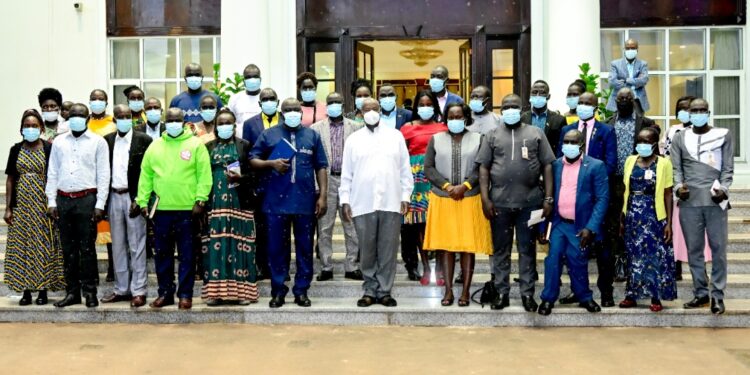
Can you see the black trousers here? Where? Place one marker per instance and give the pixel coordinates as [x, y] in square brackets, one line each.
[412, 236]
[613, 245]
[78, 240]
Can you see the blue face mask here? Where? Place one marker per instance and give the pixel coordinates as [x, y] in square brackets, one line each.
[683, 116]
[77, 124]
[30, 134]
[699, 120]
[631, 53]
[135, 105]
[571, 101]
[571, 151]
[225, 131]
[644, 149]
[388, 103]
[50, 116]
[174, 129]
[293, 119]
[538, 101]
[269, 107]
[456, 126]
[153, 115]
[252, 84]
[334, 110]
[124, 125]
[437, 85]
[426, 113]
[194, 83]
[511, 116]
[97, 106]
[308, 95]
[208, 115]
[358, 103]
[584, 111]
[476, 105]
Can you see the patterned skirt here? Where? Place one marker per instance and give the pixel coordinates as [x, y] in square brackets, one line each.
[417, 213]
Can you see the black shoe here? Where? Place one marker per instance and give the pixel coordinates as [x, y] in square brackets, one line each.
[413, 274]
[545, 308]
[388, 301]
[717, 306]
[366, 301]
[460, 278]
[697, 303]
[110, 277]
[42, 298]
[591, 306]
[325, 276]
[91, 300]
[501, 302]
[70, 299]
[678, 271]
[354, 275]
[276, 302]
[529, 304]
[569, 299]
[26, 299]
[302, 300]
[608, 301]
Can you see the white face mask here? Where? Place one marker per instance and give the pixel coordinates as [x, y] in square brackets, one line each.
[371, 118]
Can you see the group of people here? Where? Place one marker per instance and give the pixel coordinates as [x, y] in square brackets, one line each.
[227, 184]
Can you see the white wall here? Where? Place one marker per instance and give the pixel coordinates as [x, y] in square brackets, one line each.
[47, 43]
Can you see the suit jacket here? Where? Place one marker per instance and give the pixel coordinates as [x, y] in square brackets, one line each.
[453, 98]
[246, 188]
[592, 194]
[253, 127]
[618, 71]
[138, 146]
[640, 123]
[323, 127]
[142, 127]
[602, 144]
[553, 126]
[402, 117]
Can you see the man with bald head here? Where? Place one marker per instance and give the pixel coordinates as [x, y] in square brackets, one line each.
[295, 157]
[176, 167]
[246, 104]
[438, 85]
[190, 99]
[632, 72]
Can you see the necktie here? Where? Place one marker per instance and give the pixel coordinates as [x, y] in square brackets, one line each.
[585, 132]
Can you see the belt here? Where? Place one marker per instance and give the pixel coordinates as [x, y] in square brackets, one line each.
[120, 191]
[76, 194]
[335, 173]
[567, 221]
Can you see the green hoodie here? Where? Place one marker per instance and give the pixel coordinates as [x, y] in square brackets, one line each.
[178, 170]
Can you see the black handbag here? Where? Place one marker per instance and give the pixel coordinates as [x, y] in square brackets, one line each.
[489, 294]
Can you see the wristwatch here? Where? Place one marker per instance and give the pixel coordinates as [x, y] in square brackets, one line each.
[549, 200]
[201, 203]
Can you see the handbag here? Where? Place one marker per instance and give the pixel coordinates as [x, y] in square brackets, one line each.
[489, 294]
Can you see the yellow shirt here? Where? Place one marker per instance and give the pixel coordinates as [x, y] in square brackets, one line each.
[102, 126]
[273, 122]
[664, 179]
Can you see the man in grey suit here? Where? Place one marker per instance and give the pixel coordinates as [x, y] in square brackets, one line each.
[632, 72]
[333, 133]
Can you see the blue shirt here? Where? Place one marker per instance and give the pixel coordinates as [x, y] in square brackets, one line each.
[191, 104]
[294, 191]
[540, 121]
[631, 67]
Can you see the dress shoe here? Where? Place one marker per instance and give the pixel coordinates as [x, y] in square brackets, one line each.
[162, 301]
[138, 301]
[185, 304]
[366, 301]
[529, 304]
[697, 303]
[354, 275]
[112, 298]
[608, 301]
[569, 299]
[26, 299]
[41, 299]
[110, 278]
[656, 307]
[545, 308]
[276, 302]
[590, 306]
[325, 276]
[388, 301]
[717, 306]
[302, 300]
[501, 302]
[70, 299]
[413, 275]
[440, 279]
[91, 301]
[628, 303]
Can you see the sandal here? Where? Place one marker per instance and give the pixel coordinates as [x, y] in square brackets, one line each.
[425, 280]
[447, 301]
[463, 302]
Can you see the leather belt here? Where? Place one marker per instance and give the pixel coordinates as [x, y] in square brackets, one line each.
[120, 191]
[335, 173]
[76, 194]
[567, 221]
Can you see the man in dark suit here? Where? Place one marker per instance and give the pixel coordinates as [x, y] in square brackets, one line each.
[551, 122]
[581, 194]
[154, 126]
[631, 72]
[128, 227]
[390, 115]
[438, 82]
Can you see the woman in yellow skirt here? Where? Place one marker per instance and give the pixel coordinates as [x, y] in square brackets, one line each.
[455, 223]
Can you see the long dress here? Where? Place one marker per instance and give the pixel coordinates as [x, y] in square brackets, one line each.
[650, 259]
[34, 258]
[417, 138]
[229, 249]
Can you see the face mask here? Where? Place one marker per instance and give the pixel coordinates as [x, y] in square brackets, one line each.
[252, 84]
[153, 116]
[269, 107]
[225, 131]
[538, 101]
[97, 106]
[293, 119]
[208, 115]
[358, 103]
[136, 105]
[456, 126]
[631, 53]
[77, 124]
[30, 134]
[476, 105]
[626, 108]
[371, 118]
[124, 125]
[683, 116]
[584, 111]
[426, 113]
[644, 149]
[437, 84]
[308, 95]
[571, 151]
[699, 120]
[511, 116]
[571, 101]
[194, 83]
[50, 116]
[174, 129]
[388, 103]
[334, 110]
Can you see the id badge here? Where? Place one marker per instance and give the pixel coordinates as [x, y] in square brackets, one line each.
[649, 175]
[525, 152]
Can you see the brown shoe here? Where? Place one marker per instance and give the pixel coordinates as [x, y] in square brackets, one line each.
[138, 301]
[161, 302]
[186, 303]
[112, 298]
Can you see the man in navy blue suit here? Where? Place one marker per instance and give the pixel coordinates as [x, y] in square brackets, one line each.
[390, 115]
[581, 198]
[438, 82]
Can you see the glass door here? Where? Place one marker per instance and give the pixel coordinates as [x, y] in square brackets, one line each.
[464, 65]
[321, 61]
[501, 64]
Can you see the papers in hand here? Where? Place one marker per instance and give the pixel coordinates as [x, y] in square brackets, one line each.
[235, 168]
[283, 150]
[152, 210]
[715, 190]
[536, 217]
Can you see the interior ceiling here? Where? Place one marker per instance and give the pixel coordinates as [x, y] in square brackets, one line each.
[390, 64]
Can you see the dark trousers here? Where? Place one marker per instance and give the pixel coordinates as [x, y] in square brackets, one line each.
[78, 240]
[174, 227]
[508, 221]
[613, 245]
[412, 236]
[279, 251]
[261, 242]
[564, 246]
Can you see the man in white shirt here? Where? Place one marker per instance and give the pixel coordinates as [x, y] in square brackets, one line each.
[246, 104]
[77, 189]
[376, 185]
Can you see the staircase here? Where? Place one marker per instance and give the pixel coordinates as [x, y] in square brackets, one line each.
[334, 302]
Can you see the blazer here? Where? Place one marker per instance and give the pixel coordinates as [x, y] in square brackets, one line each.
[602, 144]
[253, 127]
[138, 146]
[12, 171]
[552, 128]
[142, 127]
[402, 117]
[592, 194]
[640, 123]
[453, 98]
[618, 71]
[245, 190]
[323, 127]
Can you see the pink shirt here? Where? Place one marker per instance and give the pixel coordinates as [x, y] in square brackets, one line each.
[589, 129]
[311, 115]
[566, 202]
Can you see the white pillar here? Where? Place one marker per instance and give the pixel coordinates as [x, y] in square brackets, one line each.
[538, 36]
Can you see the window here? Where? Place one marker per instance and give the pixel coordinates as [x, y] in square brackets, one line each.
[699, 61]
[157, 64]
[502, 76]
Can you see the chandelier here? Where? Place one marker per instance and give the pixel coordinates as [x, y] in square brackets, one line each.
[419, 53]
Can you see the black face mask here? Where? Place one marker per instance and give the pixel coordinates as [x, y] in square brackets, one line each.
[626, 107]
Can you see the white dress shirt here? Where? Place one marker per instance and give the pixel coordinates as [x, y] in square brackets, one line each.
[375, 171]
[120, 158]
[389, 121]
[78, 164]
[244, 106]
[155, 132]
